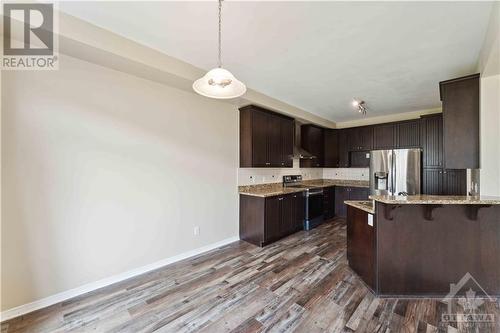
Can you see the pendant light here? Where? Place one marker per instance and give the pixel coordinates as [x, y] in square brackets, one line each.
[219, 83]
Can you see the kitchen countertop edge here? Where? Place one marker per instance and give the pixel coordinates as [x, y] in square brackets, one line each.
[361, 205]
[436, 200]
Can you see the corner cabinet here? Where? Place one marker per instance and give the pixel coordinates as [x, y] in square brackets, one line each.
[460, 98]
[265, 220]
[266, 138]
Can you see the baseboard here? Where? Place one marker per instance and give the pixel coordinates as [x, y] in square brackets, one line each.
[65, 295]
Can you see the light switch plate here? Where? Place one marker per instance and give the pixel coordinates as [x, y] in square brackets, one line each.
[370, 220]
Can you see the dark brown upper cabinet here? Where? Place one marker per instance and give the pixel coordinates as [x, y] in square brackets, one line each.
[383, 136]
[407, 134]
[331, 146]
[460, 98]
[343, 148]
[312, 140]
[432, 140]
[360, 138]
[266, 138]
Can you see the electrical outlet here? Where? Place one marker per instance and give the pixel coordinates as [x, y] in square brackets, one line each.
[196, 231]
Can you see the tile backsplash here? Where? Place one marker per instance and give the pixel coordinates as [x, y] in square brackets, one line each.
[250, 176]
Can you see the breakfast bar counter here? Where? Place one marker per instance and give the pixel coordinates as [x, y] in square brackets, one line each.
[419, 245]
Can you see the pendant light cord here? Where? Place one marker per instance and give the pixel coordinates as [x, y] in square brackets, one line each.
[220, 34]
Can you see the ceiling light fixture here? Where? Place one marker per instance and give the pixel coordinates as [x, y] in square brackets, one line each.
[360, 105]
[219, 83]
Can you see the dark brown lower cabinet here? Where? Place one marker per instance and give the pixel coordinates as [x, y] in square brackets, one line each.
[361, 245]
[343, 193]
[444, 182]
[265, 220]
[329, 202]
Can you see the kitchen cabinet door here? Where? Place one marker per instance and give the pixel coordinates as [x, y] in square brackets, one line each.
[432, 141]
[383, 136]
[272, 227]
[366, 138]
[287, 137]
[299, 210]
[259, 139]
[329, 202]
[331, 146]
[454, 182]
[353, 138]
[341, 195]
[408, 134]
[274, 142]
[288, 215]
[360, 138]
[460, 98]
[343, 148]
[432, 181]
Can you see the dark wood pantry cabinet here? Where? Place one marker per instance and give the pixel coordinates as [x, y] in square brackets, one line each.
[266, 138]
[265, 220]
[460, 98]
[432, 141]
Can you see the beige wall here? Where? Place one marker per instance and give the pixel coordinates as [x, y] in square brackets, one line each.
[104, 172]
[489, 67]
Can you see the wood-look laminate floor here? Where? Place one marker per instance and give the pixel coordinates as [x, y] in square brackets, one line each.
[299, 284]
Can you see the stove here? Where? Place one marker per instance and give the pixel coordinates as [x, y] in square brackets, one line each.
[313, 200]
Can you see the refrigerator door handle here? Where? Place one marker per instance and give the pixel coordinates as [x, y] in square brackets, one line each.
[390, 162]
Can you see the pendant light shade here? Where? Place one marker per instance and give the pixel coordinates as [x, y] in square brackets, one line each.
[219, 82]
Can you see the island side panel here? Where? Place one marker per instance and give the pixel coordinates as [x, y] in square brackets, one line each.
[361, 245]
[420, 257]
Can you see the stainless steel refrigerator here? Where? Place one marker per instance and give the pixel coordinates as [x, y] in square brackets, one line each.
[395, 172]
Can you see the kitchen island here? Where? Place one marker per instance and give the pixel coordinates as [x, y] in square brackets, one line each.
[419, 245]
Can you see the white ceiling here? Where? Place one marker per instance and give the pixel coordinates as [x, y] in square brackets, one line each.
[317, 56]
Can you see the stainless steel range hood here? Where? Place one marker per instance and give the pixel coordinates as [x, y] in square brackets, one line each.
[298, 151]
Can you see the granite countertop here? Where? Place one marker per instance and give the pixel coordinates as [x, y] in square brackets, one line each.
[273, 189]
[367, 206]
[436, 200]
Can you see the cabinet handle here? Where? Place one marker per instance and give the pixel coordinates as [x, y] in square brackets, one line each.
[267, 163]
[280, 199]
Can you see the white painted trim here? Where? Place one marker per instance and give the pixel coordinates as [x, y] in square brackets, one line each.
[387, 118]
[65, 295]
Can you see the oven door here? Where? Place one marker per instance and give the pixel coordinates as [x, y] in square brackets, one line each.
[314, 209]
